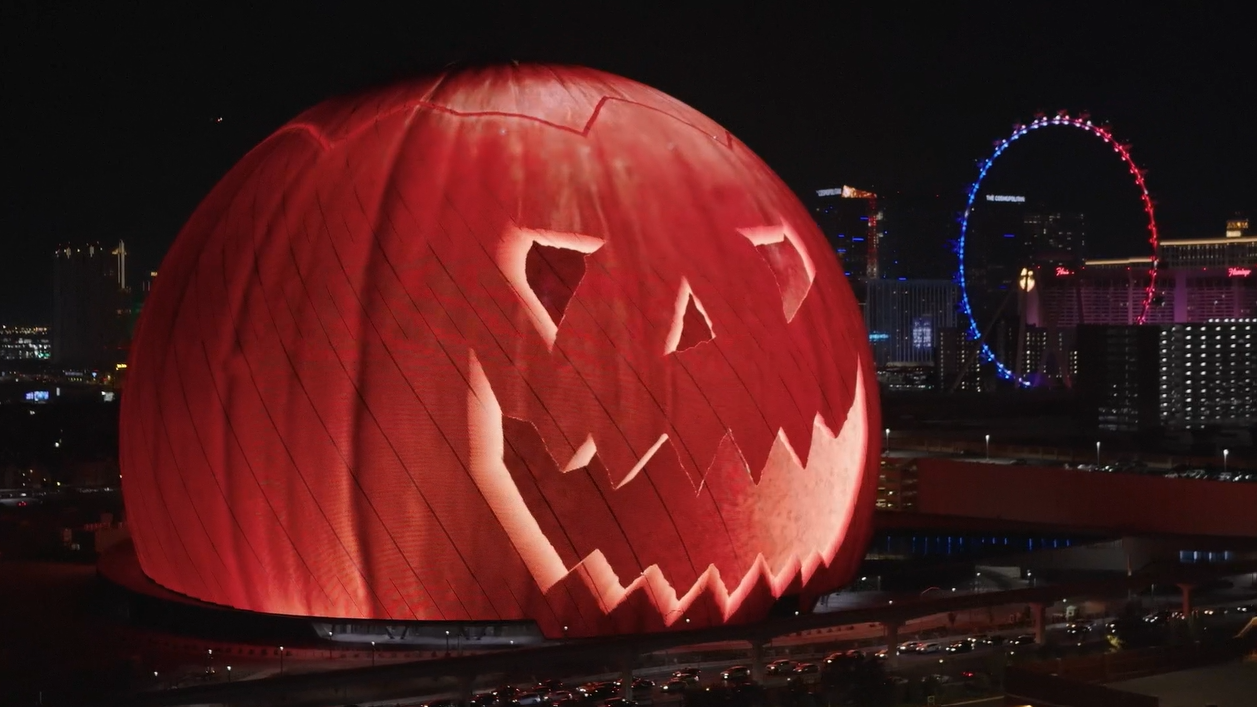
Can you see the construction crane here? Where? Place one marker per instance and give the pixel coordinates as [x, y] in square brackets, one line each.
[871, 271]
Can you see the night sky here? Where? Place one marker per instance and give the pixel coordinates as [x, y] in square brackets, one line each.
[109, 110]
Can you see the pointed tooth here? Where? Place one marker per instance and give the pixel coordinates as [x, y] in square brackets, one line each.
[582, 456]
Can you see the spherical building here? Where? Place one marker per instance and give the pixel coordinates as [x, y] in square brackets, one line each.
[513, 343]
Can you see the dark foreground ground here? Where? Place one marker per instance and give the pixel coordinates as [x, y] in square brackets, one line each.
[1230, 685]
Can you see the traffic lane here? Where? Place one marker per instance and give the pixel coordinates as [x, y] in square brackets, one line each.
[187, 672]
[190, 672]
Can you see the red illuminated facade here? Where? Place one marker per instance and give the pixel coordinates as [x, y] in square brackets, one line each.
[511, 343]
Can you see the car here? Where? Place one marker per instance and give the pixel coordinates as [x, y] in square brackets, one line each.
[841, 656]
[979, 640]
[805, 668]
[687, 675]
[484, 699]
[975, 680]
[929, 648]
[736, 673]
[551, 685]
[529, 699]
[675, 685]
[1078, 628]
[505, 694]
[960, 647]
[996, 640]
[643, 684]
[1025, 639]
[781, 666]
[598, 690]
[559, 696]
[618, 702]
[910, 647]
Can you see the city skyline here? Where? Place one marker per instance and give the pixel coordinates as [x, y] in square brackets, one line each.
[863, 97]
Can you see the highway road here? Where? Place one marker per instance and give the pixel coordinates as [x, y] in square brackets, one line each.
[910, 666]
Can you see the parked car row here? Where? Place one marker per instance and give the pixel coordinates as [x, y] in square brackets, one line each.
[964, 645]
[554, 693]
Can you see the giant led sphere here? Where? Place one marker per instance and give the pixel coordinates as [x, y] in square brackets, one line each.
[512, 343]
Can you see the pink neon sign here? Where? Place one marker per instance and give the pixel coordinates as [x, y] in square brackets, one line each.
[1239, 272]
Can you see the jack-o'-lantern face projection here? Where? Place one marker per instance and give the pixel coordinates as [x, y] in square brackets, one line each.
[515, 343]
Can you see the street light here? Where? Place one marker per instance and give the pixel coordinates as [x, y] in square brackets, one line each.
[228, 673]
[886, 447]
[1097, 454]
[1225, 454]
[447, 643]
[988, 446]
[281, 660]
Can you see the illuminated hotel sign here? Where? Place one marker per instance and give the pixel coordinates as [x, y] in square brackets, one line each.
[1239, 272]
[829, 192]
[1006, 197]
[1063, 271]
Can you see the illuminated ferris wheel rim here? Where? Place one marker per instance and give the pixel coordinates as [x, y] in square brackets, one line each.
[1020, 131]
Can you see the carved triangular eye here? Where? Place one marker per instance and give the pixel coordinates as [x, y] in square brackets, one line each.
[553, 274]
[690, 324]
[545, 268]
[785, 255]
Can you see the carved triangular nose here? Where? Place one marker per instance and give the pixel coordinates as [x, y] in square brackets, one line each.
[690, 324]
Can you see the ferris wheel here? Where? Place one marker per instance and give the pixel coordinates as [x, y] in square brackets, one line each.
[978, 331]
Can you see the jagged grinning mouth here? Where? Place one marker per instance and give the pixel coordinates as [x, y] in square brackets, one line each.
[847, 448]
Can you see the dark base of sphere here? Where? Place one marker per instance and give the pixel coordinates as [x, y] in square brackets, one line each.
[133, 598]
